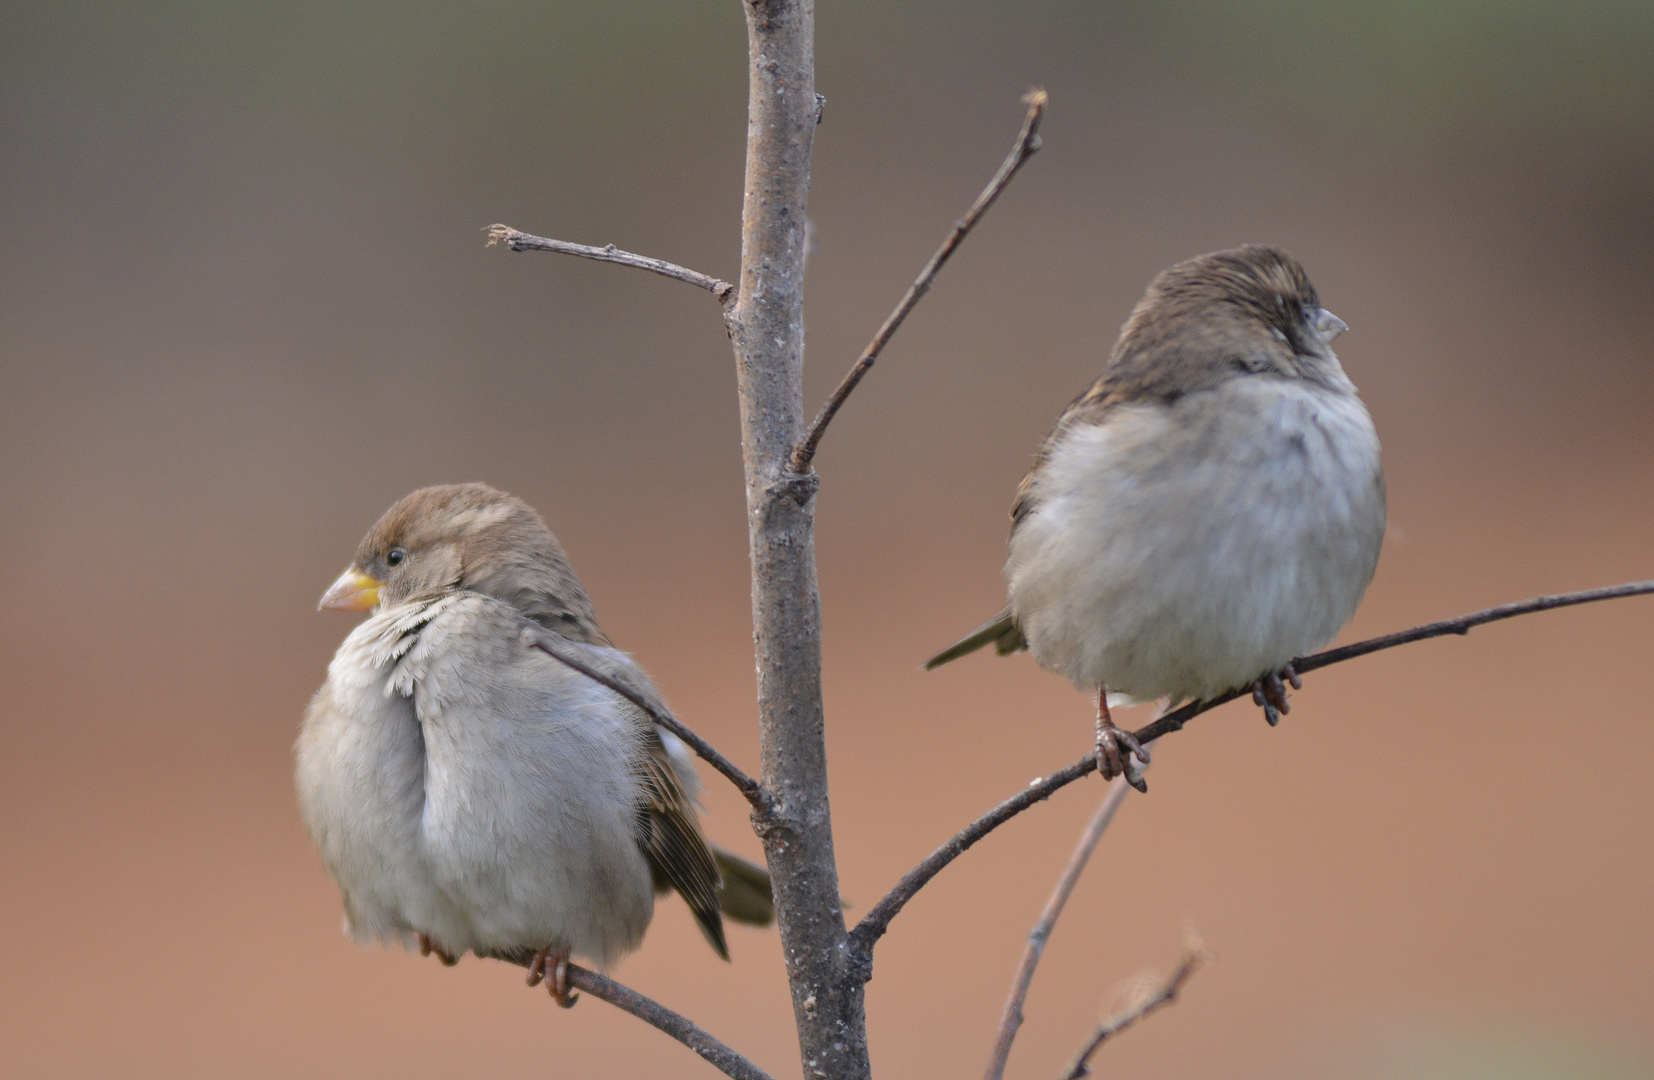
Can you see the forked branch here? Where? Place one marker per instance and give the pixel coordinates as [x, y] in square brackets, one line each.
[589, 662]
[656, 1015]
[877, 921]
[521, 241]
[1159, 998]
[1011, 1019]
[1026, 145]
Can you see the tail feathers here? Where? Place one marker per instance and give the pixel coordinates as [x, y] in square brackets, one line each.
[744, 895]
[1002, 631]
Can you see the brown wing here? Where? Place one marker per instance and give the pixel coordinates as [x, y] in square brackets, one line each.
[667, 830]
[671, 840]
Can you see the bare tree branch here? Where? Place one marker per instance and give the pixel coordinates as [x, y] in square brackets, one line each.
[1011, 1019]
[576, 656]
[1027, 144]
[1081, 1065]
[521, 241]
[1174, 721]
[877, 920]
[874, 924]
[656, 1015]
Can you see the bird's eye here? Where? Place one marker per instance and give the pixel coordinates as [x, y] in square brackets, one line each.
[395, 555]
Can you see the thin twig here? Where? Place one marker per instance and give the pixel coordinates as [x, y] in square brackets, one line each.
[566, 652]
[653, 1013]
[874, 924]
[1027, 144]
[521, 241]
[1081, 1065]
[877, 920]
[1175, 720]
[1011, 1019]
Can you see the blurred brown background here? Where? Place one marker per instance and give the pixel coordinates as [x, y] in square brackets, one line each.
[246, 305]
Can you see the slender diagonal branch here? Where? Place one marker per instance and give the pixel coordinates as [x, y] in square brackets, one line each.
[656, 1015]
[1081, 1065]
[877, 920]
[874, 924]
[1174, 721]
[566, 652]
[1027, 144]
[521, 241]
[1011, 1019]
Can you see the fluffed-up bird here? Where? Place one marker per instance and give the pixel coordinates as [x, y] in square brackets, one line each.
[1211, 508]
[469, 793]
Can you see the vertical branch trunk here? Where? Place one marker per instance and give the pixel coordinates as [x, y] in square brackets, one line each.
[766, 324]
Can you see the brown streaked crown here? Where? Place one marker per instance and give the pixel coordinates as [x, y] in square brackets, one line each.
[1250, 310]
[1246, 312]
[474, 537]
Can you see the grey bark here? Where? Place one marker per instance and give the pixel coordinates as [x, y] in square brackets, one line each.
[766, 325]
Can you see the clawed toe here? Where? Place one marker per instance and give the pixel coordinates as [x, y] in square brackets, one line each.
[1120, 754]
[427, 947]
[551, 965]
[1269, 693]
[1110, 761]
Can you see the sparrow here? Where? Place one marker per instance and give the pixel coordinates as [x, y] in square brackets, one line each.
[469, 793]
[1211, 508]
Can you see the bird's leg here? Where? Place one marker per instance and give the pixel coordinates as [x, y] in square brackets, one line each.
[1269, 692]
[1110, 761]
[428, 947]
[551, 964]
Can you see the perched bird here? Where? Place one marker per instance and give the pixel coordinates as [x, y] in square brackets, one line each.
[472, 794]
[1211, 508]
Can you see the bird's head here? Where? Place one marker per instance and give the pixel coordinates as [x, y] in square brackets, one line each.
[1250, 310]
[469, 537]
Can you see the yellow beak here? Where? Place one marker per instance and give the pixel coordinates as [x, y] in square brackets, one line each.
[354, 591]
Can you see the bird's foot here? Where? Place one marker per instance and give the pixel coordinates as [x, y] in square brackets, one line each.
[551, 965]
[427, 947]
[1269, 693]
[1112, 762]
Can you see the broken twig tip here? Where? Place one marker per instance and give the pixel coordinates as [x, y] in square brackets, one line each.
[1027, 142]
